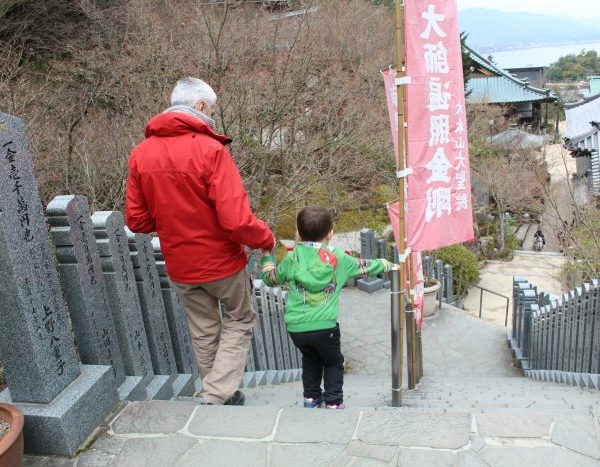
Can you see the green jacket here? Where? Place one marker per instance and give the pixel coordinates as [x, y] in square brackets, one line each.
[315, 275]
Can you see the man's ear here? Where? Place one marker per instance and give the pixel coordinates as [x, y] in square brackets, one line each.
[330, 235]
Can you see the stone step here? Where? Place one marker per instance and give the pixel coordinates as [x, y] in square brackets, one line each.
[550, 392]
[527, 384]
[375, 392]
[185, 433]
[537, 253]
[522, 407]
[483, 396]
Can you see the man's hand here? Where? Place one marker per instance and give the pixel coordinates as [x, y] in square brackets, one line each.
[265, 252]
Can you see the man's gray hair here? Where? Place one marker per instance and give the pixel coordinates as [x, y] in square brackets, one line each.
[189, 91]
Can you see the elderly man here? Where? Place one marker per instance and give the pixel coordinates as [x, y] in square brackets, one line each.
[184, 185]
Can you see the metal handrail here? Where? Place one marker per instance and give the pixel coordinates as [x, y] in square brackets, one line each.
[482, 289]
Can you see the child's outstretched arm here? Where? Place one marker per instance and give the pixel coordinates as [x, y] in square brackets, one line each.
[368, 267]
[273, 276]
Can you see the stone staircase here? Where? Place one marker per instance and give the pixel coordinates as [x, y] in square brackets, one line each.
[472, 408]
[502, 395]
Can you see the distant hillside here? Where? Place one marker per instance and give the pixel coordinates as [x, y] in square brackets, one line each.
[494, 30]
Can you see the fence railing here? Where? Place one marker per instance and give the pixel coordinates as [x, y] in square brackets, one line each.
[442, 296]
[559, 336]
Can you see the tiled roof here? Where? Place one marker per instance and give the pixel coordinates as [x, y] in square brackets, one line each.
[513, 138]
[576, 141]
[580, 115]
[502, 87]
[502, 90]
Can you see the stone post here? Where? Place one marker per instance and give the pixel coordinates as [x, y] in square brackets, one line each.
[62, 400]
[153, 307]
[275, 326]
[84, 288]
[438, 268]
[383, 253]
[181, 339]
[109, 230]
[258, 342]
[264, 320]
[368, 248]
[427, 267]
[448, 280]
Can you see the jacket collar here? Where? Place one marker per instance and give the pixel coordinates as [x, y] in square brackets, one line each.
[177, 123]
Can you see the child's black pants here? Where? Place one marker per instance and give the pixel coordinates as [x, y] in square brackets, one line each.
[322, 359]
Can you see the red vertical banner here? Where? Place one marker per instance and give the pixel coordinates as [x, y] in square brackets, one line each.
[439, 210]
[419, 287]
[439, 188]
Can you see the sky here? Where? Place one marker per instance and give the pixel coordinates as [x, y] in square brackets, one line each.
[572, 8]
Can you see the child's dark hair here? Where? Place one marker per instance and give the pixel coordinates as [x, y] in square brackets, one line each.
[314, 223]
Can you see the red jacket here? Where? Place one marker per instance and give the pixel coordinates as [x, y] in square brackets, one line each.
[184, 185]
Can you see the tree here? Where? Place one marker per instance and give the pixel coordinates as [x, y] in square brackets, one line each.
[573, 67]
[513, 184]
[299, 96]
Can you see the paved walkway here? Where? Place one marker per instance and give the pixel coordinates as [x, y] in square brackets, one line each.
[450, 349]
[460, 351]
[184, 434]
[563, 193]
[541, 269]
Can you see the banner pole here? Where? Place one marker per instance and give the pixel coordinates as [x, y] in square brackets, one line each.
[396, 297]
[401, 165]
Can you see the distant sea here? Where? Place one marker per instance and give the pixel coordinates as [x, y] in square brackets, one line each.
[538, 56]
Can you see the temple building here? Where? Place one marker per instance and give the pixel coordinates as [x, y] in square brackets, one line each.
[490, 84]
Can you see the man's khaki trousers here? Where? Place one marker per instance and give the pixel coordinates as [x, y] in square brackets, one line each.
[221, 344]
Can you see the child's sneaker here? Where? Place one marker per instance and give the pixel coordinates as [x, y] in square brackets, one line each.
[335, 406]
[310, 403]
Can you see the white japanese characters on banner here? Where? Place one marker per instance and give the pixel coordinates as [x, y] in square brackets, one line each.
[439, 189]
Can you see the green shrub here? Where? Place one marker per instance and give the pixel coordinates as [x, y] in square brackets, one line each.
[465, 267]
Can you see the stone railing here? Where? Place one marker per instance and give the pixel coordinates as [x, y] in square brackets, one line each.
[557, 338]
[88, 315]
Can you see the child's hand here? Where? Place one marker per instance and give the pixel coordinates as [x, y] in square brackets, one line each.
[265, 252]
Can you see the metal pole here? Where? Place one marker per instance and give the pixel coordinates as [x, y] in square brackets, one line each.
[420, 355]
[506, 314]
[413, 355]
[409, 348]
[480, 302]
[419, 348]
[396, 338]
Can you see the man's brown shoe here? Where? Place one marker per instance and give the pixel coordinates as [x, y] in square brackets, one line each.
[238, 398]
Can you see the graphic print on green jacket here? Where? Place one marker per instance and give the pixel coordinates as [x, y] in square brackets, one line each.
[315, 275]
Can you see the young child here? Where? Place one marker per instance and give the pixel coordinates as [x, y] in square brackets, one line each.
[315, 274]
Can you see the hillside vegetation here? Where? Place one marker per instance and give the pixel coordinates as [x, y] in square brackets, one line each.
[301, 97]
[574, 67]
